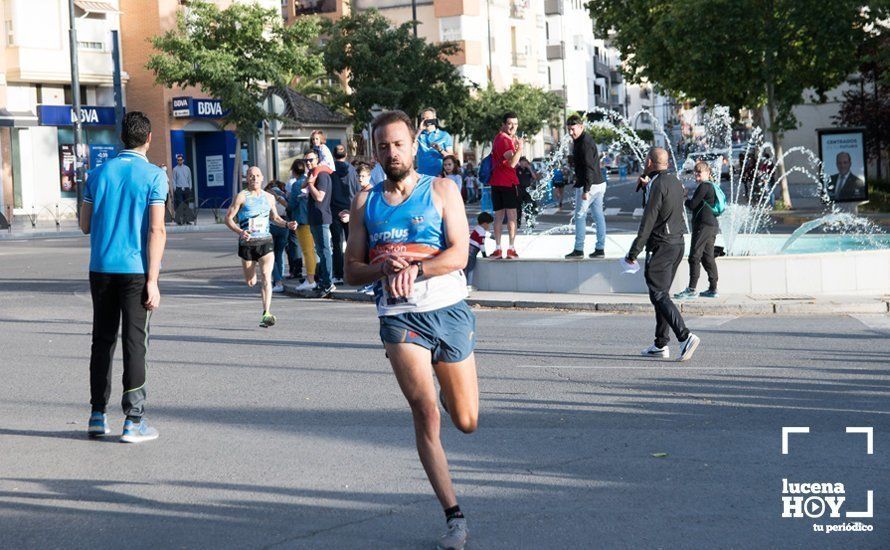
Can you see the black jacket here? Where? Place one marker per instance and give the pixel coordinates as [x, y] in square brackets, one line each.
[663, 217]
[344, 181]
[701, 213]
[586, 160]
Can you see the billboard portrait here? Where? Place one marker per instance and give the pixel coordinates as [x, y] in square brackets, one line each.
[842, 152]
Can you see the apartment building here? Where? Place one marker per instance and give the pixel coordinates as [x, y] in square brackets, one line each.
[36, 130]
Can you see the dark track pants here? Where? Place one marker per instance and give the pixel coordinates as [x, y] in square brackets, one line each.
[701, 253]
[661, 266]
[339, 236]
[118, 297]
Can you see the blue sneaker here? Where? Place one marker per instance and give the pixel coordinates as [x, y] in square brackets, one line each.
[98, 425]
[685, 293]
[138, 433]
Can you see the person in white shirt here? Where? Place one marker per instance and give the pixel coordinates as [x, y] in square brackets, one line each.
[477, 244]
[182, 183]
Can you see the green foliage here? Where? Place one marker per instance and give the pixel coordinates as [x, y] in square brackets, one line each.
[482, 117]
[646, 135]
[233, 55]
[739, 53]
[389, 68]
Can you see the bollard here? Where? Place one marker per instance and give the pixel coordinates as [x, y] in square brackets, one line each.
[485, 203]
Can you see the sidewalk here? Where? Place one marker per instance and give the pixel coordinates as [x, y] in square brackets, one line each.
[639, 303]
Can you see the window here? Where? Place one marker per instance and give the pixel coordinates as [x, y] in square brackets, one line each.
[10, 34]
[95, 46]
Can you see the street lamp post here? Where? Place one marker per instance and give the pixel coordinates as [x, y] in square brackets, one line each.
[414, 16]
[75, 100]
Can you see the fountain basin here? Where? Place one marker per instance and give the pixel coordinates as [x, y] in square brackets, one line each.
[819, 271]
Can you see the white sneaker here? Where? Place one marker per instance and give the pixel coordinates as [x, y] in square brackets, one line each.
[655, 351]
[688, 347]
[278, 288]
[456, 537]
[470, 288]
[304, 286]
[337, 281]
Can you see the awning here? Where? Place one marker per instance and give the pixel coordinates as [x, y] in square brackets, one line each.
[17, 119]
[96, 7]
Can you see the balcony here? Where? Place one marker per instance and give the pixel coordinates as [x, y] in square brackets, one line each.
[520, 60]
[616, 77]
[600, 102]
[600, 68]
[553, 7]
[556, 51]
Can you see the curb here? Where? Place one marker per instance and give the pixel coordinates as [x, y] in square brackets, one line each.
[867, 306]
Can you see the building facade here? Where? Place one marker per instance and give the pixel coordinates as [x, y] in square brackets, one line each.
[36, 130]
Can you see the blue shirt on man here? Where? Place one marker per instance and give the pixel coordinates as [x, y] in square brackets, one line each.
[121, 191]
[429, 160]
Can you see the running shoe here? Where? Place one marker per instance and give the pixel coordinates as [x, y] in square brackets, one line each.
[325, 292]
[268, 320]
[511, 253]
[685, 293]
[655, 351]
[574, 254]
[138, 432]
[688, 347]
[98, 425]
[456, 537]
[278, 288]
[367, 289]
[304, 286]
[709, 294]
[598, 253]
[497, 254]
[337, 281]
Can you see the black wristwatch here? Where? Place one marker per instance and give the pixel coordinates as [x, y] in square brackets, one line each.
[419, 265]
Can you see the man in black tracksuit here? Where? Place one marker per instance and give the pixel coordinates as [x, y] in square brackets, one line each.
[345, 186]
[704, 232]
[661, 232]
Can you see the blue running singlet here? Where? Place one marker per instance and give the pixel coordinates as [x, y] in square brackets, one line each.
[254, 216]
[413, 230]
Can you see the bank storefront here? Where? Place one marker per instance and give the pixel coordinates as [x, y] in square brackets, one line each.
[42, 158]
[208, 150]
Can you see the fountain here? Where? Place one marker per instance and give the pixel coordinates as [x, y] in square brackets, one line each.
[837, 253]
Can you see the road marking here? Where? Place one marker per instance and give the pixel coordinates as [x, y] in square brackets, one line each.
[558, 320]
[709, 321]
[638, 212]
[878, 322]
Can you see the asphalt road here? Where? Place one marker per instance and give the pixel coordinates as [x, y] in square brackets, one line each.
[298, 437]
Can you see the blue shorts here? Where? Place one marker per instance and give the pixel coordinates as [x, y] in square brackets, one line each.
[449, 333]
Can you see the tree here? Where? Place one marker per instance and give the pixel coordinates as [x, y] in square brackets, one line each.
[869, 104]
[234, 55]
[739, 53]
[387, 67]
[482, 116]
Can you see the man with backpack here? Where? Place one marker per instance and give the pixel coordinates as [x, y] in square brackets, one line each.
[706, 204]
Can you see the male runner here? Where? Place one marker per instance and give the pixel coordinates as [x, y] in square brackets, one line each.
[409, 236]
[254, 208]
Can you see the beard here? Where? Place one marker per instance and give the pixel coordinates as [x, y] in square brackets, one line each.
[396, 173]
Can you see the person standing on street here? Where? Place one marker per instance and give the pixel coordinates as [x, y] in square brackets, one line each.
[182, 186]
[433, 144]
[320, 218]
[505, 155]
[704, 233]
[345, 185]
[123, 213]
[590, 190]
[410, 237]
[661, 233]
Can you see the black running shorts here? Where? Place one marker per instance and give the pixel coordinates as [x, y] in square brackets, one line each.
[254, 251]
[504, 197]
